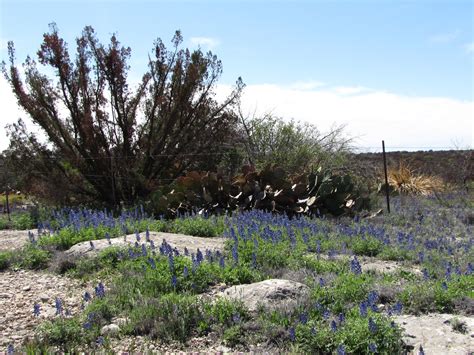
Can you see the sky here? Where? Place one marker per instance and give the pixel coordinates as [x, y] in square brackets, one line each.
[401, 71]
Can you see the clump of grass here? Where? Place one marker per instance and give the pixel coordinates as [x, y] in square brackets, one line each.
[405, 181]
[29, 257]
[436, 295]
[67, 334]
[198, 226]
[5, 260]
[459, 325]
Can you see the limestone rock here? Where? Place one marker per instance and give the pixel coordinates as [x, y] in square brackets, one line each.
[110, 329]
[179, 241]
[436, 334]
[273, 294]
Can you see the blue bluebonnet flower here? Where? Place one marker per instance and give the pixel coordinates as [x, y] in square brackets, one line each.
[421, 351]
[322, 283]
[341, 350]
[152, 263]
[373, 348]
[342, 318]
[326, 314]
[372, 301]
[333, 326]
[372, 326]
[444, 285]
[363, 309]
[469, 269]
[199, 256]
[355, 266]
[87, 296]
[236, 318]
[235, 254]
[87, 325]
[31, 237]
[222, 262]
[36, 309]
[59, 306]
[174, 281]
[147, 234]
[144, 251]
[397, 308]
[10, 349]
[292, 333]
[137, 235]
[318, 246]
[100, 290]
[448, 271]
[303, 318]
[100, 341]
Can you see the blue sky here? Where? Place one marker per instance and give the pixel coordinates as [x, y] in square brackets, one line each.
[411, 50]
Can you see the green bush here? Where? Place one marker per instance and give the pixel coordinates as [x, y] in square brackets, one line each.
[368, 246]
[32, 257]
[64, 333]
[433, 296]
[5, 260]
[198, 226]
[353, 335]
[19, 220]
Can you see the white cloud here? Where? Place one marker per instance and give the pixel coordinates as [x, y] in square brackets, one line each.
[207, 42]
[369, 115]
[350, 90]
[469, 47]
[445, 37]
[306, 85]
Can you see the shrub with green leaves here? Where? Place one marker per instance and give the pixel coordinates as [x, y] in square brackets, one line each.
[198, 226]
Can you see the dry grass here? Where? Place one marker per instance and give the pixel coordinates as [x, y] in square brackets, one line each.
[405, 181]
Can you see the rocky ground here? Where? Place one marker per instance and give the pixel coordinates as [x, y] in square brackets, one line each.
[13, 239]
[20, 290]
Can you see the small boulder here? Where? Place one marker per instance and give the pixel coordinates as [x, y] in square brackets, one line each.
[110, 329]
[273, 294]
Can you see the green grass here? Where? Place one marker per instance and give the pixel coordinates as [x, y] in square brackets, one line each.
[198, 226]
[29, 257]
[18, 220]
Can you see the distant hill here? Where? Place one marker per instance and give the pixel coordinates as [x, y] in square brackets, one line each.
[454, 166]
